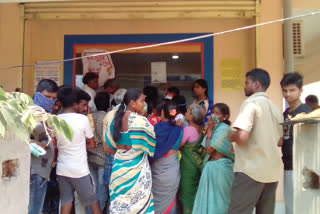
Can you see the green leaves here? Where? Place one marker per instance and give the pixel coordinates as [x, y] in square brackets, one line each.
[18, 114]
[60, 126]
[3, 125]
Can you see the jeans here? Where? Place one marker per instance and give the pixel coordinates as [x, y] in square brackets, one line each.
[38, 188]
[108, 169]
[97, 173]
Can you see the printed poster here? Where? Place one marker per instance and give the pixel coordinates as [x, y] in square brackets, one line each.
[231, 74]
[102, 65]
[158, 72]
[46, 70]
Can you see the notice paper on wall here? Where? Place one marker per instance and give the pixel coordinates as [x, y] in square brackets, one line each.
[231, 74]
[102, 64]
[46, 70]
[158, 72]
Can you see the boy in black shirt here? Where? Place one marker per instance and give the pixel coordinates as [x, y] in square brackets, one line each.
[291, 85]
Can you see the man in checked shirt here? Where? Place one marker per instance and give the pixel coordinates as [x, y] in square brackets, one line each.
[97, 156]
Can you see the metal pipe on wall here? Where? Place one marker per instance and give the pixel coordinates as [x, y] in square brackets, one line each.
[287, 40]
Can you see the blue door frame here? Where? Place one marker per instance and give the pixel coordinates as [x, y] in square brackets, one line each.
[71, 40]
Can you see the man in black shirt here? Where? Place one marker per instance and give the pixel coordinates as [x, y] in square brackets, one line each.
[291, 85]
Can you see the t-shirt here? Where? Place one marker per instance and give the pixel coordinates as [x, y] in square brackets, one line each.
[72, 156]
[288, 135]
[260, 157]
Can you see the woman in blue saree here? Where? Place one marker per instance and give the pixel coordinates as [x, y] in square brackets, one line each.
[165, 165]
[131, 137]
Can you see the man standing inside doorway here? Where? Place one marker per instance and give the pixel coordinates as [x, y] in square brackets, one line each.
[257, 156]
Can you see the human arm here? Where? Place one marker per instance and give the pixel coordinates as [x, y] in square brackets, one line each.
[239, 136]
[280, 142]
[243, 124]
[185, 136]
[91, 143]
[209, 149]
[108, 150]
[210, 127]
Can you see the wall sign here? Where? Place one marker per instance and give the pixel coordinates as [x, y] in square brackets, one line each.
[46, 70]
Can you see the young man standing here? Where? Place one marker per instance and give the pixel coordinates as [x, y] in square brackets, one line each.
[90, 81]
[257, 156]
[41, 166]
[291, 85]
[72, 166]
[83, 99]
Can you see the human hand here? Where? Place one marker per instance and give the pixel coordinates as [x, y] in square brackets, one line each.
[179, 122]
[211, 124]
[42, 145]
[280, 142]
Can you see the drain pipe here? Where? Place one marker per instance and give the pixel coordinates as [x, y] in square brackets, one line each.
[287, 40]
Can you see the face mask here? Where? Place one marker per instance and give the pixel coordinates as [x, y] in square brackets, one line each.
[144, 110]
[43, 102]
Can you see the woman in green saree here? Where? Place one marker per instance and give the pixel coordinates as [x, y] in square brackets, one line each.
[192, 157]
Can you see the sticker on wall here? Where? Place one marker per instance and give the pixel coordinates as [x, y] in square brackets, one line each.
[46, 70]
[158, 72]
[231, 74]
[102, 65]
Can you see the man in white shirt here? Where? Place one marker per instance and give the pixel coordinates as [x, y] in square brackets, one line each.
[72, 166]
[257, 156]
[90, 81]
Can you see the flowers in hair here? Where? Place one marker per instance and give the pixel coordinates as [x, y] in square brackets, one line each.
[173, 112]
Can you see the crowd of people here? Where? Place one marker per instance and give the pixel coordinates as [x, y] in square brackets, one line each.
[133, 151]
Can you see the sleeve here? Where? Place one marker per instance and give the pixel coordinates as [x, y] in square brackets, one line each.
[87, 128]
[246, 117]
[186, 135]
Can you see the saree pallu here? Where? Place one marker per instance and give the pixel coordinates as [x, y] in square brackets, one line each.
[190, 168]
[130, 183]
[214, 191]
[165, 183]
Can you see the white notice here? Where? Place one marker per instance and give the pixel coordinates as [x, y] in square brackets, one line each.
[158, 72]
[46, 70]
